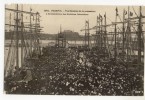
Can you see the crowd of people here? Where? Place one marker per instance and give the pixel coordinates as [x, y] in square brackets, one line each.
[65, 71]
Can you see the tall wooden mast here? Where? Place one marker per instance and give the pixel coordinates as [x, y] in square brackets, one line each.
[115, 49]
[123, 33]
[105, 31]
[22, 37]
[30, 34]
[17, 38]
[128, 33]
[139, 36]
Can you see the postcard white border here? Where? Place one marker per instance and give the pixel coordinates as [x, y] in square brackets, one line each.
[46, 97]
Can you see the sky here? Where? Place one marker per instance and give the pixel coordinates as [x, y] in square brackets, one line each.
[51, 23]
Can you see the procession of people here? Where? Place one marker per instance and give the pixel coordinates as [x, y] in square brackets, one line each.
[67, 71]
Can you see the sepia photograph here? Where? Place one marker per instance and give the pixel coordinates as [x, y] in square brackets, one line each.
[62, 49]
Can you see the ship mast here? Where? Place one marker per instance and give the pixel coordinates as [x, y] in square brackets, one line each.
[22, 37]
[85, 34]
[88, 35]
[99, 33]
[115, 51]
[139, 37]
[30, 34]
[123, 33]
[128, 33]
[105, 30]
[17, 38]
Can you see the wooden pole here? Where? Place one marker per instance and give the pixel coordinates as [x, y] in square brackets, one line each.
[17, 39]
[22, 37]
[123, 33]
[105, 30]
[30, 34]
[88, 35]
[139, 37]
[96, 37]
[115, 51]
[128, 29]
[99, 36]
[85, 33]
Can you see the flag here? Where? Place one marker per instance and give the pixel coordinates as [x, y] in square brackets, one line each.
[100, 17]
[87, 21]
[30, 11]
[131, 14]
[105, 15]
[116, 11]
[125, 12]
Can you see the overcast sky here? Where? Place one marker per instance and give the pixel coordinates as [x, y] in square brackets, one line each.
[51, 23]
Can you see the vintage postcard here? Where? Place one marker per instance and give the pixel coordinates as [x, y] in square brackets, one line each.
[74, 50]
